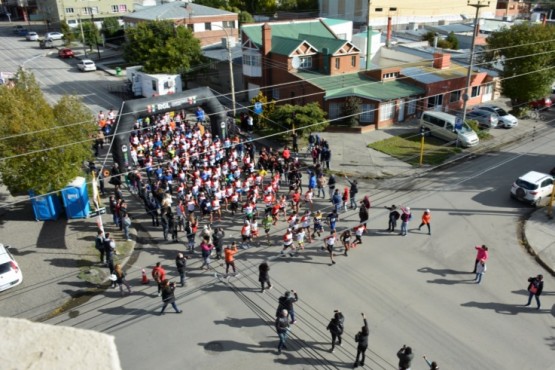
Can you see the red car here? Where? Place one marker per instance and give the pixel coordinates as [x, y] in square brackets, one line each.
[541, 104]
[65, 53]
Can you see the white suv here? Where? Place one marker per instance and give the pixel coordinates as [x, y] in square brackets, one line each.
[532, 187]
[10, 273]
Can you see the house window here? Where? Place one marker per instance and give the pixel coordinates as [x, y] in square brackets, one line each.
[367, 112]
[251, 60]
[434, 101]
[70, 10]
[455, 96]
[336, 109]
[115, 8]
[208, 26]
[354, 61]
[228, 24]
[386, 76]
[90, 10]
[488, 89]
[475, 91]
[411, 109]
[337, 63]
[306, 62]
[341, 8]
[275, 93]
[386, 111]
[123, 8]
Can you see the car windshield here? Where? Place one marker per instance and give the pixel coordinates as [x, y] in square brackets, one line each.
[526, 185]
[463, 128]
[5, 267]
[501, 112]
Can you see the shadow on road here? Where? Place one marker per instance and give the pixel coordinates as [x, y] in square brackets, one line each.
[505, 309]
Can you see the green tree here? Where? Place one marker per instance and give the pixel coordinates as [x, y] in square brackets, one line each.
[429, 36]
[42, 147]
[160, 47]
[351, 111]
[91, 35]
[245, 17]
[526, 53]
[453, 41]
[304, 118]
[110, 26]
[268, 107]
[69, 36]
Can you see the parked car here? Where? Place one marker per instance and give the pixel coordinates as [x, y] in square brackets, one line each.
[541, 104]
[22, 32]
[485, 119]
[532, 187]
[66, 53]
[448, 127]
[32, 36]
[16, 29]
[54, 36]
[506, 120]
[86, 65]
[10, 273]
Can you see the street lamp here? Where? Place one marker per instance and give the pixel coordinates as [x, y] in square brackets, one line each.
[230, 61]
[478, 6]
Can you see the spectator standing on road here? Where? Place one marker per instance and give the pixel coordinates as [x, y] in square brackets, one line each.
[363, 215]
[159, 275]
[480, 270]
[332, 219]
[218, 240]
[99, 245]
[481, 254]
[352, 193]
[109, 251]
[406, 216]
[392, 218]
[199, 113]
[181, 265]
[345, 198]
[432, 364]
[264, 276]
[120, 279]
[321, 182]
[331, 185]
[126, 223]
[535, 289]
[282, 329]
[405, 356]
[426, 219]
[336, 200]
[230, 258]
[168, 296]
[362, 339]
[206, 250]
[335, 327]
[287, 302]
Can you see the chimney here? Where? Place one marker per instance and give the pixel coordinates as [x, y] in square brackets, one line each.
[442, 61]
[388, 37]
[266, 39]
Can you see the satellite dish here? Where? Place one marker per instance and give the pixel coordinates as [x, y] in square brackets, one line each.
[296, 62]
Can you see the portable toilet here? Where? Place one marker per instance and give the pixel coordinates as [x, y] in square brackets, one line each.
[46, 207]
[76, 199]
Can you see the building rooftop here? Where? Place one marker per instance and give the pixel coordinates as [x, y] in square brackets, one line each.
[429, 74]
[176, 10]
[357, 84]
[289, 29]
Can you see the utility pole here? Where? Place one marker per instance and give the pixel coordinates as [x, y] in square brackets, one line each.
[478, 5]
[368, 39]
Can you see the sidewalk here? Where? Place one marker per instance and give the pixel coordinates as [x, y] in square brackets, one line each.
[54, 255]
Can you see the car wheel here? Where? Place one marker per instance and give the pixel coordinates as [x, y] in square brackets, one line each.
[520, 193]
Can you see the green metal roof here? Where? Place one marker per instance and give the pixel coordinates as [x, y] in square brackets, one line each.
[321, 43]
[357, 84]
[290, 30]
[284, 45]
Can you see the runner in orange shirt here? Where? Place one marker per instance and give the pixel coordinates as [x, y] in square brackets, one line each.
[230, 258]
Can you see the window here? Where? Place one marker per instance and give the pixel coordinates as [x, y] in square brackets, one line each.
[411, 109]
[115, 8]
[337, 63]
[386, 111]
[208, 26]
[488, 89]
[123, 8]
[341, 7]
[336, 109]
[354, 61]
[306, 62]
[475, 91]
[251, 60]
[228, 24]
[367, 112]
[275, 93]
[70, 10]
[90, 10]
[153, 85]
[455, 96]
[191, 27]
[386, 76]
[434, 101]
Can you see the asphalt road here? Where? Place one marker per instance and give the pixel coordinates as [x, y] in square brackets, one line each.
[415, 290]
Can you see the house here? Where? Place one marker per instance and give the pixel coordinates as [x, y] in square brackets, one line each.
[512, 9]
[71, 11]
[209, 25]
[299, 62]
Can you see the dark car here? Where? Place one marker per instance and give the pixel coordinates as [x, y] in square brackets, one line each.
[485, 119]
[65, 53]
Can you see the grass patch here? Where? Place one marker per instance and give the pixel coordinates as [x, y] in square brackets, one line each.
[406, 147]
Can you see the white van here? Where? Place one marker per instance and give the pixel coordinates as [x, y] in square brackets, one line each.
[448, 127]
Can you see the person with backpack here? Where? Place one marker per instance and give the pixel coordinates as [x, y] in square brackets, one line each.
[392, 218]
[168, 296]
[286, 302]
[362, 343]
[406, 216]
[535, 289]
[120, 279]
[99, 245]
[335, 327]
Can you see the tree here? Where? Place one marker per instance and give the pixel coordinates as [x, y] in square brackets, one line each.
[110, 26]
[453, 41]
[304, 118]
[160, 47]
[91, 35]
[267, 109]
[69, 36]
[351, 110]
[245, 17]
[526, 53]
[42, 147]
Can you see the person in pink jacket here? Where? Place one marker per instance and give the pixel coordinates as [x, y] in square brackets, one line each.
[482, 254]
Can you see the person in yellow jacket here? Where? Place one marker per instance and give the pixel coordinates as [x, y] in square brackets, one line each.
[426, 218]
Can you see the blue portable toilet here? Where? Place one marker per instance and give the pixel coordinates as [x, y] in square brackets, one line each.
[46, 207]
[76, 199]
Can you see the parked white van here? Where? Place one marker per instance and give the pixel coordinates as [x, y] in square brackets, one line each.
[448, 127]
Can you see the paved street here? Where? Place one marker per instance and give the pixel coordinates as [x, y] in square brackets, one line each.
[415, 290]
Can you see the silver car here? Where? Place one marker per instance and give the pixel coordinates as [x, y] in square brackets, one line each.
[485, 119]
[506, 120]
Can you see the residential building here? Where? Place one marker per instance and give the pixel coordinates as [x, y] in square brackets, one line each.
[403, 12]
[71, 11]
[209, 25]
[512, 9]
[24, 10]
